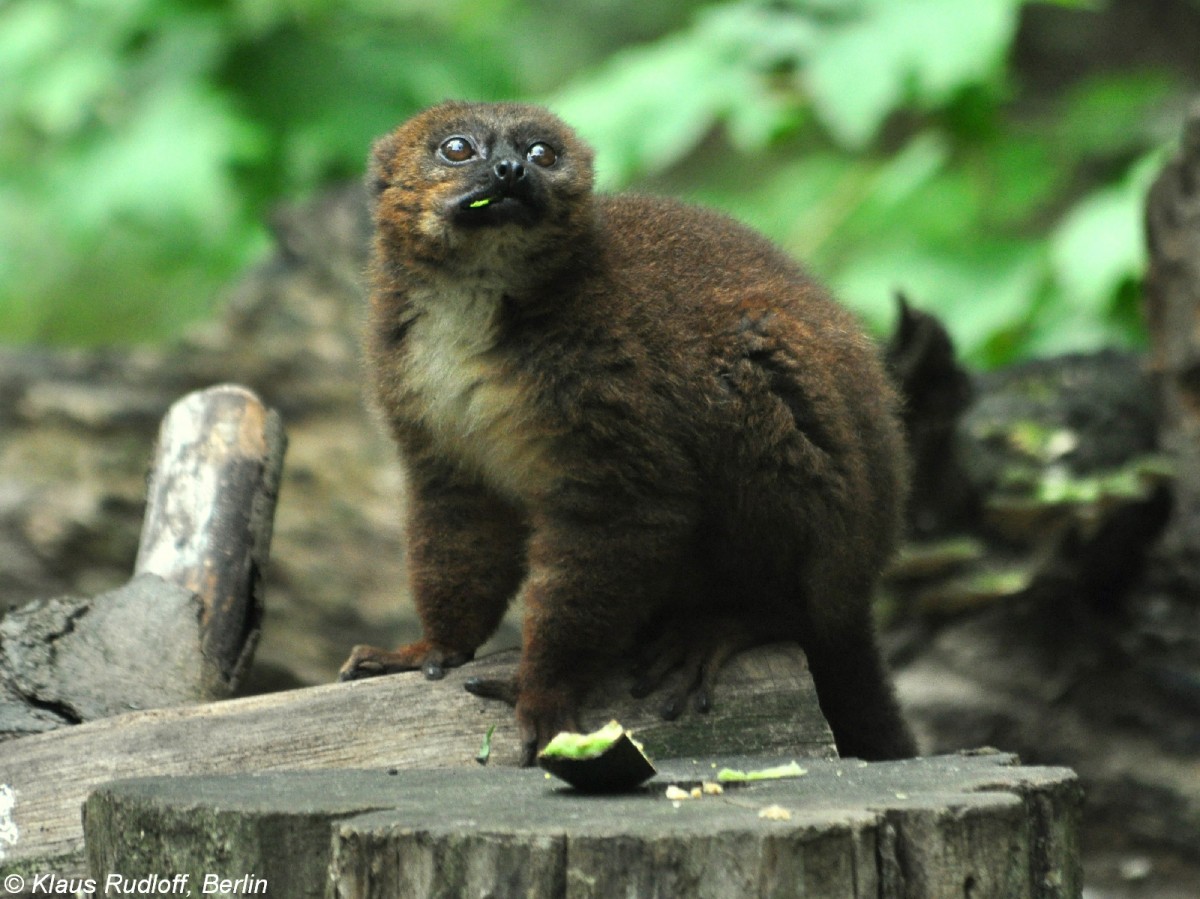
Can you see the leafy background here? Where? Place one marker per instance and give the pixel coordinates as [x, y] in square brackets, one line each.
[987, 157]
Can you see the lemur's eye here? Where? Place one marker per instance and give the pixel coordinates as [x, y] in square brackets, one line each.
[541, 154]
[456, 149]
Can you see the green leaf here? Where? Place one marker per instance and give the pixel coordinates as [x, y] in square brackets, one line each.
[1098, 244]
[147, 172]
[1020, 172]
[980, 290]
[921, 51]
[1114, 113]
[322, 95]
[634, 124]
[635, 115]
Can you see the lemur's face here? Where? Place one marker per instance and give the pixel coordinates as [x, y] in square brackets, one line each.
[463, 178]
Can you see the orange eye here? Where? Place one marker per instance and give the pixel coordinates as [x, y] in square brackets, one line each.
[456, 149]
[541, 154]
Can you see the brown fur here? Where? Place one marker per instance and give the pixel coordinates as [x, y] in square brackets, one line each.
[622, 410]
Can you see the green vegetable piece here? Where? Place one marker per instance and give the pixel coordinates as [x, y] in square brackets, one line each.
[583, 746]
[731, 775]
[605, 761]
[485, 751]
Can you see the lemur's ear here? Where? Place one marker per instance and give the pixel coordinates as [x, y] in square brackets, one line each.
[379, 173]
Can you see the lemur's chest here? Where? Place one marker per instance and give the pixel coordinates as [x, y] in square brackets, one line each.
[481, 411]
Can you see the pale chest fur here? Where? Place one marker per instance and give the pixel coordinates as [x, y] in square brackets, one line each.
[481, 413]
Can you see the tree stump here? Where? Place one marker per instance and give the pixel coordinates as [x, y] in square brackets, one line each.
[765, 702]
[972, 826]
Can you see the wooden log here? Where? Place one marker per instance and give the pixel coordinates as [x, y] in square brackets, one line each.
[765, 702]
[975, 826]
[67, 660]
[209, 513]
[184, 629]
[1173, 314]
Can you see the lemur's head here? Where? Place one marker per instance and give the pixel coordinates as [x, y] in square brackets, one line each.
[481, 185]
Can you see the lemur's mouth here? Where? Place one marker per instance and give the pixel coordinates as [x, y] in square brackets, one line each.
[490, 196]
[480, 198]
[493, 205]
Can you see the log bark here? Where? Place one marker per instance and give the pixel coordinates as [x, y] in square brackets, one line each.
[1173, 314]
[185, 628]
[765, 703]
[67, 660]
[976, 826]
[209, 514]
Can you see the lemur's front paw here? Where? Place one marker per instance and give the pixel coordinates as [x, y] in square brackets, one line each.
[542, 715]
[371, 661]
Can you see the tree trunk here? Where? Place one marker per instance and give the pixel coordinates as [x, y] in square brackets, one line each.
[1173, 313]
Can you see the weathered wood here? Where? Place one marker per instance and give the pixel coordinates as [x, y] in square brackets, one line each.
[765, 703]
[1173, 314]
[184, 629]
[67, 660]
[1008, 677]
[975, 826]
[209, 513]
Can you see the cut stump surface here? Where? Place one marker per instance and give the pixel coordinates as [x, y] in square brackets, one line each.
[974, 826]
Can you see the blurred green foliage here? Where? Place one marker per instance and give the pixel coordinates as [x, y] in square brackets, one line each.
[890, 145]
